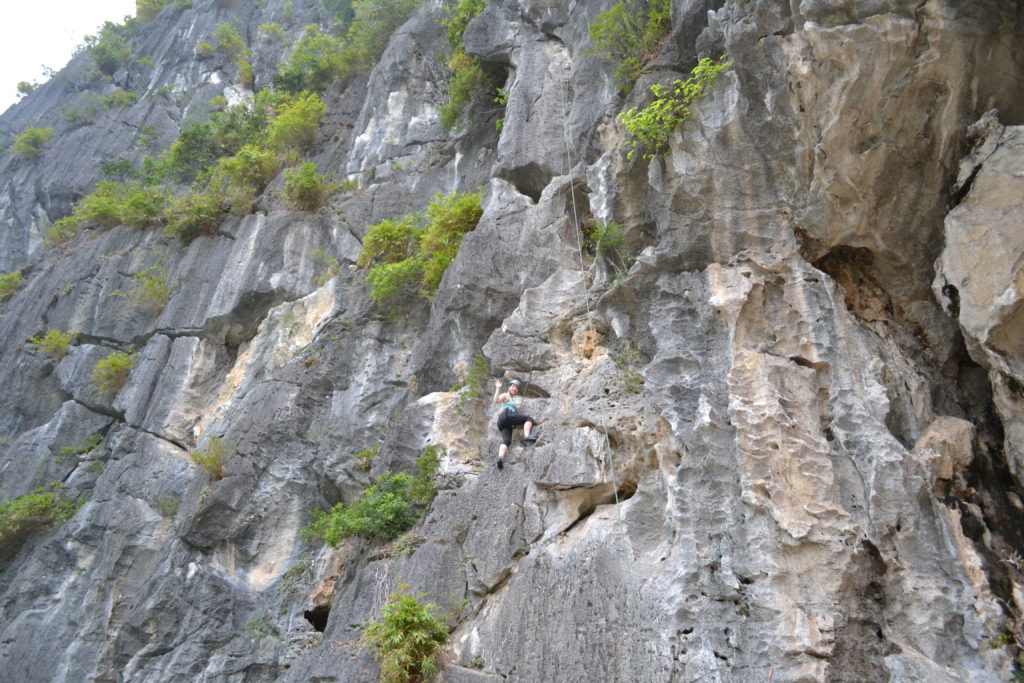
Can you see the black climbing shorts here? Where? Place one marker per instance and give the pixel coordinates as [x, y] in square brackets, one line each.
[508, 421]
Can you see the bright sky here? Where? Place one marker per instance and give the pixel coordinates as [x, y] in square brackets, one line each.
[38, 32]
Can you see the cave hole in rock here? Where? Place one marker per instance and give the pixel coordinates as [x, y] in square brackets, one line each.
[577, 207]
[529, 179]
[317, 617]
[626, 490]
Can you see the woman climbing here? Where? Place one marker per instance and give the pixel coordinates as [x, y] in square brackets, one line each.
[510, 418]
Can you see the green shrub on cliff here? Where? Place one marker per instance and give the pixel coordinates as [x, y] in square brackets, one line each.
[386, 509]
[650, 127]
[110, 374]
[146, 10]
[449, 218]
[410, 255]
[9, 284]
[30, 142]
[315, 62]
[407, 637]
[306, 188]
[54, 343]
[110, 48]
[468, 76]
[213, 456]
[383, 512]
[630, 34]
[22, 516]
[319, 59]
[295, 125]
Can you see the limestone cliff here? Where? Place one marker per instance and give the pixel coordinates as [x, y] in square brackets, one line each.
[781, 428]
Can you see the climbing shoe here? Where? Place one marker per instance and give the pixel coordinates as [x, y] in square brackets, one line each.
[501, 463]
[529, 439]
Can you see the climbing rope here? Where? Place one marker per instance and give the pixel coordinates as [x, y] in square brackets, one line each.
[634, 592]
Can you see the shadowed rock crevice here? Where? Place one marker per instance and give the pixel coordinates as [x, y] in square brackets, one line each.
[529, 179]
[318, 616]
[861, 644]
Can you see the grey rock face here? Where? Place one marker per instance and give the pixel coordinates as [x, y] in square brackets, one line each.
[779, 425]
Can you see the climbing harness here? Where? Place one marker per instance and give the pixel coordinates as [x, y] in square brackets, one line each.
[634, 592]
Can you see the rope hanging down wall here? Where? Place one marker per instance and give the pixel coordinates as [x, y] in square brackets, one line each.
[633, 595]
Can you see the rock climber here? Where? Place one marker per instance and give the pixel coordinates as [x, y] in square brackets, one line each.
[509, 418]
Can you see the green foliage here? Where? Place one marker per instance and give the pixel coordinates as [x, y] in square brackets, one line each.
[287, 11]
[251, 168]
[119, 98]
[469, 387]
[61, 231]
[9, 284]
[423, 489]
[383, 512]
[110, 204]
[84, 448]
[194, 214]
[406, 544]
[145, 62]
[331, 267]
[31, 141]
[228, 43]
[364, 458]
[467, 79]
[390, 241]
[146, 10]
[110, 374]
[245, 73]
[150, 289]
[406, 638]
[272, 31]
[83, 110]
[502, 99]
[458, 17]
[449, 218]
[468, 76]
[294, 128]
[391, 283]
[118, 170]
[373, 23]
[109, 49]
[147, 134]
[306, 189]
[261, 628]
[630, 34]
[319, 59]
[218, 103]
[411, 254]
[205, 49]
[341, 10]
[650, 127]
[26, 88]
[604, 238]
[22, 516]
[213, 456]
[627, 360]
[54, 343]
[314, 63]
[167, 505]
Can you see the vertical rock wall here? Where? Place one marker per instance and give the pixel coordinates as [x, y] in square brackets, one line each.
[779, 429]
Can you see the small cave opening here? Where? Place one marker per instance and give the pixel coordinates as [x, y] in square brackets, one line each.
[626, 490]
[529, 179]
[317, 617]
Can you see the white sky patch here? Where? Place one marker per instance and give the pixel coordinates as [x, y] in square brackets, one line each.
[46, 32]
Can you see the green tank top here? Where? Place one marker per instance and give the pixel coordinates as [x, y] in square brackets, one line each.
[510, 404]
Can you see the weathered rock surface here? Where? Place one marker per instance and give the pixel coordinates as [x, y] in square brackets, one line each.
[777, 428]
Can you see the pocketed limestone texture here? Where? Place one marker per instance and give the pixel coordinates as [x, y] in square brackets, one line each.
[780, 419]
